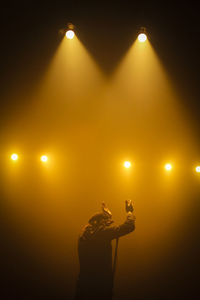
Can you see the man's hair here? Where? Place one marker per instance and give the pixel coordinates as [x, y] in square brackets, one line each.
[99, 218]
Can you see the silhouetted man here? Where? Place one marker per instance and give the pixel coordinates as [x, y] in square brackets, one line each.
[95, 253]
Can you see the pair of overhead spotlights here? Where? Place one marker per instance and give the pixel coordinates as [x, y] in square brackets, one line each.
[142, 37]
[168, 167]
[15, 157]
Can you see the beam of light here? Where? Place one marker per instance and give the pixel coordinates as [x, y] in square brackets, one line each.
[14, 156]
[70, 34]
[144, 105]
[72, 78]
[142, 96]
[142, 37]
[127, 164]
[198, 169]
[70, 89]
[168, 167]
[44, 158]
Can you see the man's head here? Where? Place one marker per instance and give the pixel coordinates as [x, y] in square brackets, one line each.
[105, 217]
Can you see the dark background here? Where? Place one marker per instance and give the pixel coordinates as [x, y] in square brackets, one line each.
[29, 37]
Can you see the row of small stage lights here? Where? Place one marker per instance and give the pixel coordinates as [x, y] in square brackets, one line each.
[127, 164]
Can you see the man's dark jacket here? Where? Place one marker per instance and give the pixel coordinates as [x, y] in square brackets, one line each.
[95, 257]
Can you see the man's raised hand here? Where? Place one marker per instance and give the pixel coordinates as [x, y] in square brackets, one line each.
[129, 205]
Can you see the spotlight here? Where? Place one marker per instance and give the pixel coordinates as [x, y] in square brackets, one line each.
[168, 167]
[14, 156]
[44, 158]
[70, 34]
[70, 31]
[198, 169]
[127, 164]
[142, 37]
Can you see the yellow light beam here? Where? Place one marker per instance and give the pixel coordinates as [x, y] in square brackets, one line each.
[145, 98]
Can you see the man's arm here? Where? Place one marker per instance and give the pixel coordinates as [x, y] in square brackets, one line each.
[128, 226]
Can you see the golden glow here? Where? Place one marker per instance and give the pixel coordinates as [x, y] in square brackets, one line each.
[72, 75]
[133, 115]
[142, 37]
[198, 169]
[168, 167]
[44, 158]
[14, 156]
[127, 164]
[70, 34]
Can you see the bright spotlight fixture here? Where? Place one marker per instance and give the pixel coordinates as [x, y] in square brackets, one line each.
[70, 34]
[44, 158]
[70, 31]
[198, 169]
[142, 37]
[14, 156]
[127, 164]
[168, 167]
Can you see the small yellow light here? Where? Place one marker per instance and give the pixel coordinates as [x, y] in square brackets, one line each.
[14, 156]
[168, 167]
[198, 169]
[127, 164]
[142, 37]
[44, 158]
[70, 34]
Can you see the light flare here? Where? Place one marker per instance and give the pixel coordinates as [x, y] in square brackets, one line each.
[70, 34]
[142, 37]
[127, 164]
[198, 169]
[44, 158]
[14, 156]
[168, 167]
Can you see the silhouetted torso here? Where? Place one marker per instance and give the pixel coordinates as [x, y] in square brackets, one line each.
[95, 257]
